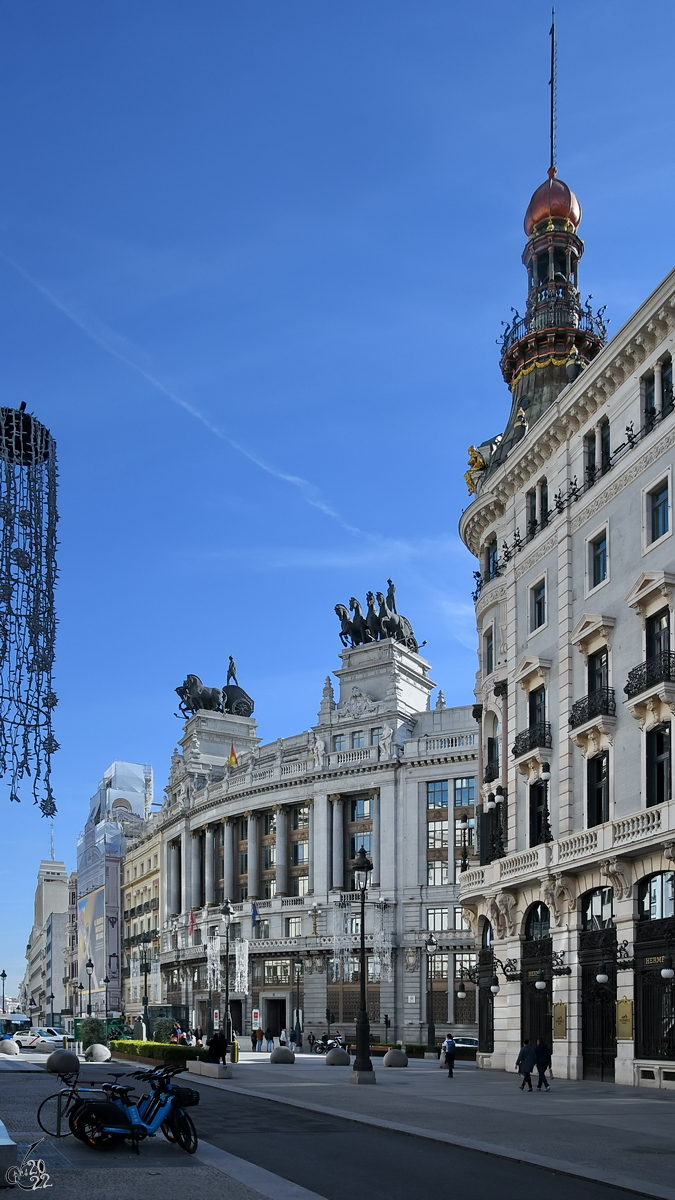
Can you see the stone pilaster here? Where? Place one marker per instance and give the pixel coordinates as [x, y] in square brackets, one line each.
[209, 863]
[196, 870]
[184, 871]
[375, 817]
[253, 856]
[282, 849]
[228, 859]
[310, 868]
[338, 842]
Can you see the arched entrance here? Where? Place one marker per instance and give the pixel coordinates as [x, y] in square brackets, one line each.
[654, 948]
[536, 1002]
[597, 956]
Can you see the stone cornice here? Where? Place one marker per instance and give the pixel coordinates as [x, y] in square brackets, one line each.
[619, 359]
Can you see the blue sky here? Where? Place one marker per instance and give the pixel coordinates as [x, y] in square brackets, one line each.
[253, 262]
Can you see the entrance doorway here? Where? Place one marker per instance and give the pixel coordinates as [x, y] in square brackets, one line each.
[597, 949]
[236, 1016]
[275, 1016]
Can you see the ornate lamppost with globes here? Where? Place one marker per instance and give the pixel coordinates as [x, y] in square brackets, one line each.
[106, 980]
[80, 989]
[362, 1071]
[3, 976]
[50, 1000]
[431, 946]
[297, 964]
[145, 939]
[227, 912]
[90, 971]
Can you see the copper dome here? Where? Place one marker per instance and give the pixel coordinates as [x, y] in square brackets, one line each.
[552, 199]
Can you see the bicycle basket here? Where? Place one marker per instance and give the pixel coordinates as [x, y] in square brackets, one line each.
[186, 1097]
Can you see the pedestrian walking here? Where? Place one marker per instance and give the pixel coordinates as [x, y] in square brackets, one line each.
[450, 1048]
[259, 1040]
[526, 1062]
[283, 1038]
[310, 1042]
[269, 1038]
[292, 1039]
[217, 1047]
[543, 1060]
[254, 1039]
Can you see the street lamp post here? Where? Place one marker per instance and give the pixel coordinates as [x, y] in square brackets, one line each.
[227, 912]
[545, 777]
[106, 980]
[297, 963]
[145, 940]
[50, 1000]
[90, 971]
[80, 988]
[464, 826]
[363, 1067]
[3, 976]
[431, 946]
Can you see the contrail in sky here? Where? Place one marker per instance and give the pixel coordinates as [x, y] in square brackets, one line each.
[110, 341]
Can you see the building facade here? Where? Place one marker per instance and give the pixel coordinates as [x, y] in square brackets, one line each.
[571, 523]
[44, 951]
[140, 892]
[276, 828]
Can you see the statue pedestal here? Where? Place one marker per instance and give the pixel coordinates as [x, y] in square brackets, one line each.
[209, 736]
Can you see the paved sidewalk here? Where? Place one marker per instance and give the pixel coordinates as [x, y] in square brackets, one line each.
[618, 1135]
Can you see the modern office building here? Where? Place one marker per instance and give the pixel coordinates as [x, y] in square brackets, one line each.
[44, 951]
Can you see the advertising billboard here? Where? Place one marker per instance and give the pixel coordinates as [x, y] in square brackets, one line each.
[91, 938]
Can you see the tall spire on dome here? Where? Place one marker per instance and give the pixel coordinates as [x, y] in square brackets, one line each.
[552, 85]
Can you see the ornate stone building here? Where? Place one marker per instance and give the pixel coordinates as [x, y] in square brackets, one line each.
[140, 912]
[571, 523]
[275, 828]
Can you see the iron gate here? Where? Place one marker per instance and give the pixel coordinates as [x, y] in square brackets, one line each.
[654, 996]
[486, 1003]
[536, 1004]
[598, 1003]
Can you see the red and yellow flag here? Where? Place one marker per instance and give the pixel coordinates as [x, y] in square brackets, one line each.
[232, 760]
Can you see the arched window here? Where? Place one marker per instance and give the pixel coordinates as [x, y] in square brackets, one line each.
[538, 923]
[656, 896]
[597, 909]
[486, 940]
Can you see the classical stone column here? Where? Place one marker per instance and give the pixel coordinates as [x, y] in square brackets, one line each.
[253, 857]
[375, 817]
[338, 841]
[228, 859]
[282, 849]
[310, 868]
[598, 449]
[184, 872]
[196, 870]
[174, 878]
[658, 386]
[209, 862]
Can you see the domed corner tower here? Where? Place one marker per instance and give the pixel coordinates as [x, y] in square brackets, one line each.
[544, 350]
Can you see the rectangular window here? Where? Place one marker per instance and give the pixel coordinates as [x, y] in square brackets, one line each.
[531, 507]
[488, 652]
[667, 387]
[293, 926]
[538, 604]
[357, 840]
[597, 566]
[537, 706]
[358, 739]
[242, 829]
[269, 857]
[437, 873]
[360, 809]
[437, 920]
[437, 793]
[492, 760]
[300, 817]
[658, 511]
[243, 862]
[465, 790]
[658, 765]
[597, 776]
[538, 813]
[543, 511]
[299, 885]
[355, 926]
[269, 823]
[469, 832]
[339, 742]
[299, 853]
[492, 559]
[437, 967]
[598, 670]
[262, 929]
[649, 404]
[437, 835]
[375, 735]
[277, 970]
[589, 455]
[605, 447]
[460, 923]
[658, 633]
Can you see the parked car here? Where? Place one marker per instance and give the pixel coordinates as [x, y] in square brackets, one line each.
[467, 1041]
[26, 1039]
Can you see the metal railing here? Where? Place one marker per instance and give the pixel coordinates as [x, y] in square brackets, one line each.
[659, 669]
[601, 702]
[536, 735]
[556, 314]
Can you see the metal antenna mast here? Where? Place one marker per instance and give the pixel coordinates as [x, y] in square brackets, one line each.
[552, 83]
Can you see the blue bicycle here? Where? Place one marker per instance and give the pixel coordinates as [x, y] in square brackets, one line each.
[106, 1123]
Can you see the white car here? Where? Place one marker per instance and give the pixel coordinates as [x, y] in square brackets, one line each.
[28, 1039]
[467, 1041]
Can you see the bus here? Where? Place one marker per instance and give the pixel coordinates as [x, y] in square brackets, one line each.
[11, 1023]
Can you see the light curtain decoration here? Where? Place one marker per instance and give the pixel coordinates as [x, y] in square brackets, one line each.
[155, 983]
[27, 621]
[135, 981]
[342, 939]
[213, 962]
[382, 942]
[241, 966]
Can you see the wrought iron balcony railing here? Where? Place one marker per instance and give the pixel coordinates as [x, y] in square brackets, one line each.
[659, 669]
[491, 772]
[538, 734]
[556, 314]
[598, 703]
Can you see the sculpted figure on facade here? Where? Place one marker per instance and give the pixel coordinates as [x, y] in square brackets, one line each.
[617, 872]
[506, 903]
[319, 751]
[386, 738]
[495, 917]
[470, 915]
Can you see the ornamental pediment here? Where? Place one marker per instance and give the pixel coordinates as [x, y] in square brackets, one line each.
[590, 629]
[532, 672]
[651, 587]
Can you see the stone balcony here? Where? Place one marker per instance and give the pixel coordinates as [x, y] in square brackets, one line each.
[623, 838]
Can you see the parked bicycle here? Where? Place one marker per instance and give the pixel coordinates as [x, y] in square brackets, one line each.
[107, 1122]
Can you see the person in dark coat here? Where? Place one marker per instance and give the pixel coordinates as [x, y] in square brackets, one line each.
[449, 1049]
[543, 1059]
[217, 1047]
[526, 1062]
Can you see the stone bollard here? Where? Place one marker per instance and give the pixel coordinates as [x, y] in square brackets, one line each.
[282, 1055]
[8, 1046]
[97, 1053]
[337, 1057]
[395, 1058]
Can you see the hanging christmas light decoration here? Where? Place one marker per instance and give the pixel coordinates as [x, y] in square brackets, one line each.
[27, 621]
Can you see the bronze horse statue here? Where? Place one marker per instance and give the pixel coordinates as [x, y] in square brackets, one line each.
[193, 696]
[359, 623]
[395, 626]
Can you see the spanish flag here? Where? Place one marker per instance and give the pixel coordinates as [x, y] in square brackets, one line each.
[232, 760]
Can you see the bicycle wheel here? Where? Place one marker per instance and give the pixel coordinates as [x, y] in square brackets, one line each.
[168, 1132]
[89, 1128]
[47, 1114]
[183, 1130]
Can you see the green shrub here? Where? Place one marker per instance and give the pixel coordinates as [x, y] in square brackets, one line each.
[160, 1050]
[92, 1032]
[162, 1029]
